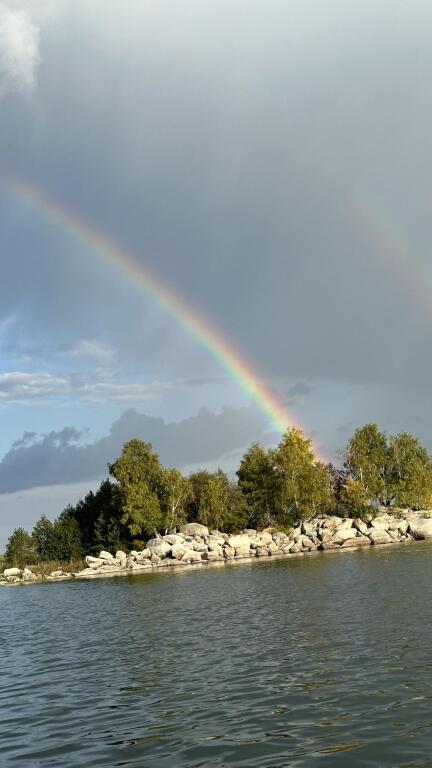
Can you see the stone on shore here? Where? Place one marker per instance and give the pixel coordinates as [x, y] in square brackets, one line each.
[379, 537]
[421, 528]
[241, 545]
[194, 529]
[12, 572]
[158, 547]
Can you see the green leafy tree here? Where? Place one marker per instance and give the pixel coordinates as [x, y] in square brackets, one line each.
[67, 539]
[44, 539]
[222, 506]
[353, 498]
[99, 519]
[304, 482]
[176, 491]
[259, 482]
[198, 482]
[19, 549]
[366, 459]
[140, 481]
[213, 509]
[409, 472]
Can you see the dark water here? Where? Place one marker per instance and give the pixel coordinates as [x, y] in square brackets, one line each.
[321, 660]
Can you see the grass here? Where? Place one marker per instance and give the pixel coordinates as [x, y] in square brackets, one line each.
[46, 567]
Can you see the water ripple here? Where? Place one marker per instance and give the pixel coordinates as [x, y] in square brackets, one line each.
[274, 664]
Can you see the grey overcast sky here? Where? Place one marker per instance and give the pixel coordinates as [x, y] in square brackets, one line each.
[268, 161]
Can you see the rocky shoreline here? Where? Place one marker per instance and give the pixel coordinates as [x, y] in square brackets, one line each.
[195, 545]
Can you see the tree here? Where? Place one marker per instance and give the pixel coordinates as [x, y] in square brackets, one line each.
[140, 480]
[67, 538]
[222, 505]
[98, 518]
[409, 472]
[198, 482]
[19, 549]
[213, 508]
[259, 482]
[176, 491]
[366, 459]
[304, 481]
[353, 497]
[44, 539]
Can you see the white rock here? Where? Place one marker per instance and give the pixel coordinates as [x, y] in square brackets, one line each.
[360, 525]
[159, 547]
[229, 552]
[380, 523]
[12, 572]
[192, 529]
[178, 550]
[120, 555]
[241, 545]
[106, 556]
[191, 557]
[357, 541]
[420, 528]
[343, 534]
[173, 538]
[379, 537]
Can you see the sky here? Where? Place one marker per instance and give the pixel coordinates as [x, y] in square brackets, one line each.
[269, 163]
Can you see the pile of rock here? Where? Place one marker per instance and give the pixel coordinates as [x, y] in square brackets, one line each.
[17, 576]
[194, 543]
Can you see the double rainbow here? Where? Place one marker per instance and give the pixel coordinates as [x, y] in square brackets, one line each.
[219, 348]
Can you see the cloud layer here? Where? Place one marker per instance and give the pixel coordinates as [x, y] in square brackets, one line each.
[61, 457]
[19, 50]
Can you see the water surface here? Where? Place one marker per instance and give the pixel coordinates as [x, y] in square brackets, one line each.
[323, 660]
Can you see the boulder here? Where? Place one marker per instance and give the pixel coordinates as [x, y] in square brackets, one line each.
[343, 534]
[12, 572]
[192, 529]
[262, 552]
[94, 562]
[287, 547]
[229, 552]
[357, 541]
[241, 545]
[173, 538]
[106, 556]
[144, 553]
[419, 529]
[212, 556]
[403, 526]
[158, 547]
[309, 529]
[380, 523]
[360, 525]
[379, 537]
[199, 546]
[121, 556]
[178, 550]
[191, 557]
[264, 538]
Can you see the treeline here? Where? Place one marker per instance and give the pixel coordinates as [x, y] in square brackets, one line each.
[278, 486]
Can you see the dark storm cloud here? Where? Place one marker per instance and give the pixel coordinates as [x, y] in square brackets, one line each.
[225, 149]
[300, 389]
[60, 457]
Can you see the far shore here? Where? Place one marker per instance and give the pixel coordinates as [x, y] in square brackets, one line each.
[194, 545]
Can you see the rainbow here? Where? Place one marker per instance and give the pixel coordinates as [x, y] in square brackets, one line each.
[392, 248]
[208, 337]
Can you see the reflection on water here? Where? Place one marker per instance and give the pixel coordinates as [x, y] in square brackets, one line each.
[279, 663]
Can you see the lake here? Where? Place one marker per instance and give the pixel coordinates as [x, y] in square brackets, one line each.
[320, 660]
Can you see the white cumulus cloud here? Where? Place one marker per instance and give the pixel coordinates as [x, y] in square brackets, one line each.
[19, 49]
